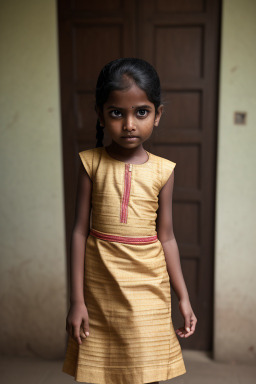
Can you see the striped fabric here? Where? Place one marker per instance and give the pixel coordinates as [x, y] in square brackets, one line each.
[126, 287]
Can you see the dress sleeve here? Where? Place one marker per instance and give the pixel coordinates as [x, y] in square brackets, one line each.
[167, 169]
[87, 160]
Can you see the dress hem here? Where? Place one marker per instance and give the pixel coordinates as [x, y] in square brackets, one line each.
[140, 377]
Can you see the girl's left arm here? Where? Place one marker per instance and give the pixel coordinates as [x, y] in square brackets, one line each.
[166, 236]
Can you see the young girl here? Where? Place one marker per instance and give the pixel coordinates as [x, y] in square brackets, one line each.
[119, 322]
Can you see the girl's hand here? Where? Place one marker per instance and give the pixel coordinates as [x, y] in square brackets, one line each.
[190, 319]
[77, 323]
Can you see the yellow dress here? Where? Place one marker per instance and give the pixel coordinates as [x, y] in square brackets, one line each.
[126, 287]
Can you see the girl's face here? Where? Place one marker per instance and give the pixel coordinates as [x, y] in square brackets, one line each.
[129, 117]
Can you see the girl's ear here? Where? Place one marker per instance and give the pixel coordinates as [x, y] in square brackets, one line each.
[158, 115]
[100, 117]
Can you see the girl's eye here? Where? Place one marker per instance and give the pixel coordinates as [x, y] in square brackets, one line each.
[142, 112]
[115, 113]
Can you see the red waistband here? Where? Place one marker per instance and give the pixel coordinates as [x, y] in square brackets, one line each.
[123, 239]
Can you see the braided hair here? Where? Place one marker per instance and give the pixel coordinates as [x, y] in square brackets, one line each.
[121, 74]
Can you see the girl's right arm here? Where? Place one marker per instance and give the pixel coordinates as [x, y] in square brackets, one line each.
[77, 317]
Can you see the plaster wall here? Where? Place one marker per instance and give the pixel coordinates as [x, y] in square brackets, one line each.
[235, 280]
[33, 270]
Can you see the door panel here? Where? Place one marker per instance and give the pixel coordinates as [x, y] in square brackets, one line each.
[189, 102]
[108, 39]
[183, 59]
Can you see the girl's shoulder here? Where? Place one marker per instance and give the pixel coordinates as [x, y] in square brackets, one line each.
[164, 167]
[162, 161]
[89, 158]
[90, 152]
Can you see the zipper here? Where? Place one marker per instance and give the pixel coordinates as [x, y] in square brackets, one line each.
[126, 194]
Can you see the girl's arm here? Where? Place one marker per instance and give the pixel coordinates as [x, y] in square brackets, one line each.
[78, 315]
[172, 257]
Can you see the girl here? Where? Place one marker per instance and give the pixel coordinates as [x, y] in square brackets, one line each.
[119, 322]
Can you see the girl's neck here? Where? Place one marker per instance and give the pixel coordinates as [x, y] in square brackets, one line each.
[135, 155]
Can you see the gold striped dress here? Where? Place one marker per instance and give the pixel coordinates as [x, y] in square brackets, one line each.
[126, 287]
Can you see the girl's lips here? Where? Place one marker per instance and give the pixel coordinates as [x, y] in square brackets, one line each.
[129, 137]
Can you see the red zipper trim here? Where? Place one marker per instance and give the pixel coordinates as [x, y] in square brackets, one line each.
[126, 195]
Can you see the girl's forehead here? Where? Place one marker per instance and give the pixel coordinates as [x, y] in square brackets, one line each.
[128, 98]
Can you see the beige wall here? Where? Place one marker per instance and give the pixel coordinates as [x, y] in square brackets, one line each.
[32, 277]
[235, 281]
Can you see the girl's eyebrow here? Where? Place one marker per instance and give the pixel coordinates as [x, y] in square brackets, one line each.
[137, 106]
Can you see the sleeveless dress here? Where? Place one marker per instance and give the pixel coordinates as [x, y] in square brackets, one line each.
[126, 283]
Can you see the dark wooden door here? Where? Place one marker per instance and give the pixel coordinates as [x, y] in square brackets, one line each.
[181, 39]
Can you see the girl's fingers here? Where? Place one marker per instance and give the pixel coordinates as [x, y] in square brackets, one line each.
[181, 332]
[193, 324]
[85, 326]
[82, 334]
[187, 323]
[189, 333]
[76, 334]
[189, 326]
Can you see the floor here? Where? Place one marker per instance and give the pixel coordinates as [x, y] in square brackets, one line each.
[200, 370]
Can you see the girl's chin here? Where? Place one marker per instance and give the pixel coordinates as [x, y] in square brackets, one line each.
[127, 143]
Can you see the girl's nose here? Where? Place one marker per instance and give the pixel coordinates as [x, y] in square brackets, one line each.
[129, 124]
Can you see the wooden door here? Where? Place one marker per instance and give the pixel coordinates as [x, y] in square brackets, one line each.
[181, 39]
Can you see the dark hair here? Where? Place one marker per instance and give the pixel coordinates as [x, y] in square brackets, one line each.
[120, 74]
